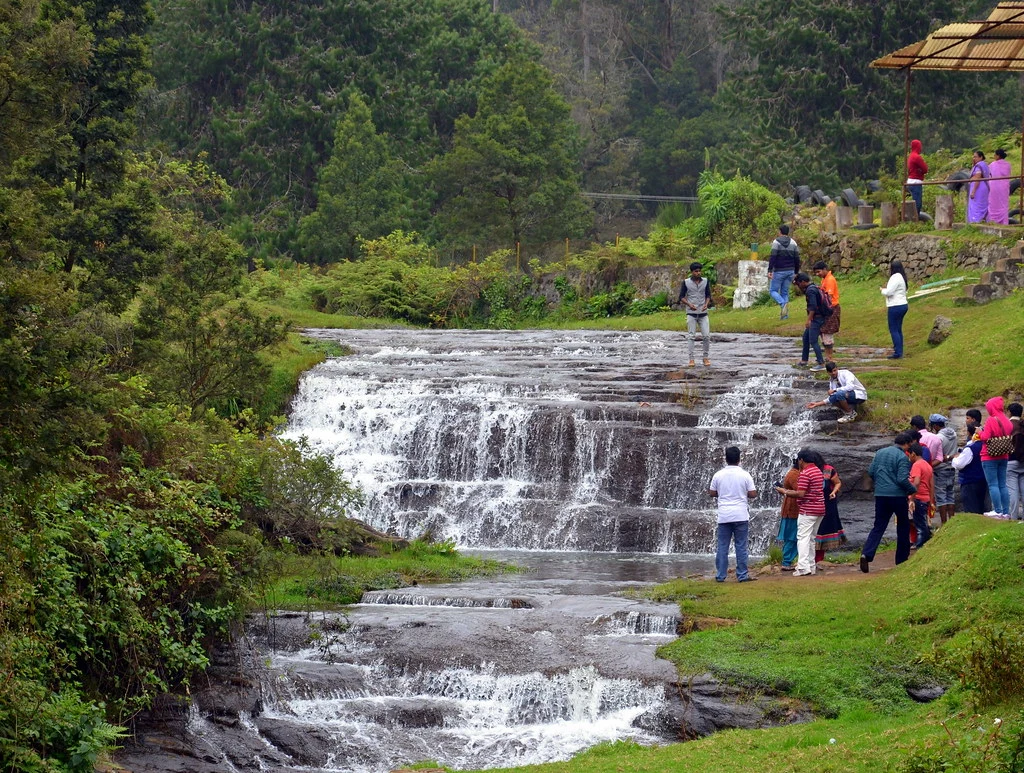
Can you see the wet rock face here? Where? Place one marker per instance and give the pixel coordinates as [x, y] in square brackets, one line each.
[589, 440]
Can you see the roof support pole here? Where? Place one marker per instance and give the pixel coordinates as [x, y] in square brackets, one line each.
[906, 140]
[1020, 190]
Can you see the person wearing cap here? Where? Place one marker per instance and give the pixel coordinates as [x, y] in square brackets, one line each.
[696, 295]
[845, 392]
[945, 475]
[783, 265]
[831, 324]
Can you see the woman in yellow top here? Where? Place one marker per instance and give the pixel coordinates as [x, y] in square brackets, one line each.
[831, 325]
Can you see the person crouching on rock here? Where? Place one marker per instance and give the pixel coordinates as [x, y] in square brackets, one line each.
[845, 392]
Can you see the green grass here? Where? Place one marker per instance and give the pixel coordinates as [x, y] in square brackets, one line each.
[327, 582]
[849, 649]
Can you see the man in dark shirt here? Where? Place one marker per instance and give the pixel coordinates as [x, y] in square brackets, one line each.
[812, 327]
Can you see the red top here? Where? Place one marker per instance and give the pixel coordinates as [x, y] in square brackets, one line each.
[916, 166]
[922, 470]
[813, 482]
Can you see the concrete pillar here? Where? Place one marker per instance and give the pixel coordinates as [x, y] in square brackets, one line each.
[890, 215]
[844, 217]
[751, 283]
[909, 212]
[944, 213]
[865, 214]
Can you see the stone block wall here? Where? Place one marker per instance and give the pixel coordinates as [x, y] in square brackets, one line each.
[922, 255]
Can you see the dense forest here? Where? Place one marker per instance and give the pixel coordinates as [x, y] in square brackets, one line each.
[153, 153]
[639, 96]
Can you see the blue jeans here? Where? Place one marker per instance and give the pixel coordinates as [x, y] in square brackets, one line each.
[916, 194]
[738, 531]
[779, 290]
[995, 477]
[811, 335]
[924, 531]
[896, 315]
[846, 395]
[885, 509]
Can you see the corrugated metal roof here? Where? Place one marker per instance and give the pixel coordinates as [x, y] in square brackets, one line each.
[994, 44]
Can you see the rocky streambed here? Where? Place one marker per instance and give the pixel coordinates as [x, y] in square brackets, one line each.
[585, 453]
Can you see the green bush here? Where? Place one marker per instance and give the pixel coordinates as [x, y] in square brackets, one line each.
[985, 748]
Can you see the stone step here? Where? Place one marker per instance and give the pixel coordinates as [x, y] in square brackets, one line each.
[976, 293]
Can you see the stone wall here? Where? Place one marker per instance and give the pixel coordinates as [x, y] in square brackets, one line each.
[922, 255]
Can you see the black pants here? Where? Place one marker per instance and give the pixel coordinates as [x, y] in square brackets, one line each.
[885, 509]
[974, 497]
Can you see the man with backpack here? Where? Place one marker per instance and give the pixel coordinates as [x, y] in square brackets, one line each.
[819, 308]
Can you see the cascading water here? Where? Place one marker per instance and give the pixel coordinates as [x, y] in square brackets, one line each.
[541, 441]
[574, 442]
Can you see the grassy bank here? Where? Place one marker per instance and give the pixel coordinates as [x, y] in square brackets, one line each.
[950, 615]
[327, 582]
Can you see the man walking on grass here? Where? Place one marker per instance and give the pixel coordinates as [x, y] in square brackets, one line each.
[696, 294]
[732, 486]
[890, 470]
[783, 264]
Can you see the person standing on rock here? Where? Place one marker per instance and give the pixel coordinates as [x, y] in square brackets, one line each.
[812, 327]
[783, 265]
[890, 470]
[696, 294]
[831, 534]
[917, 168]
[831, 325]
[732, 486]
[973, 487]
[945, 475]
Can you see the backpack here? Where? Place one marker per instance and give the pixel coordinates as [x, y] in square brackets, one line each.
[824, 303]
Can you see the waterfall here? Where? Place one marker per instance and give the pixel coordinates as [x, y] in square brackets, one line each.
[541, 440]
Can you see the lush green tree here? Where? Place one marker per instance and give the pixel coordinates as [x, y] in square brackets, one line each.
[359, 194]
[262, 85]
[512, 173]
[808, 107]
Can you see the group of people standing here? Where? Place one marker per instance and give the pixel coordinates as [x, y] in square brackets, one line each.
[988, 188]
[913, 481]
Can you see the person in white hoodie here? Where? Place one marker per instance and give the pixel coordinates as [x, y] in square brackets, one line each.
[895, 292]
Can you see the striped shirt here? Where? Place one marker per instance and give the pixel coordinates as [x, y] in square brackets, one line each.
[813, 482]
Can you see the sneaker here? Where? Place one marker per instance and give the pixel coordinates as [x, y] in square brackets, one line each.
[991, 514]
[784, 312]
[817, 368]
[707, 362]
[864, 564]
[787, 568]
[692, 364]
[802, 574]
[747, 579]
[847, 418]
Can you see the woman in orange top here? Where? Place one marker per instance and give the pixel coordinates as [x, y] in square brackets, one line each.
[831, 325]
